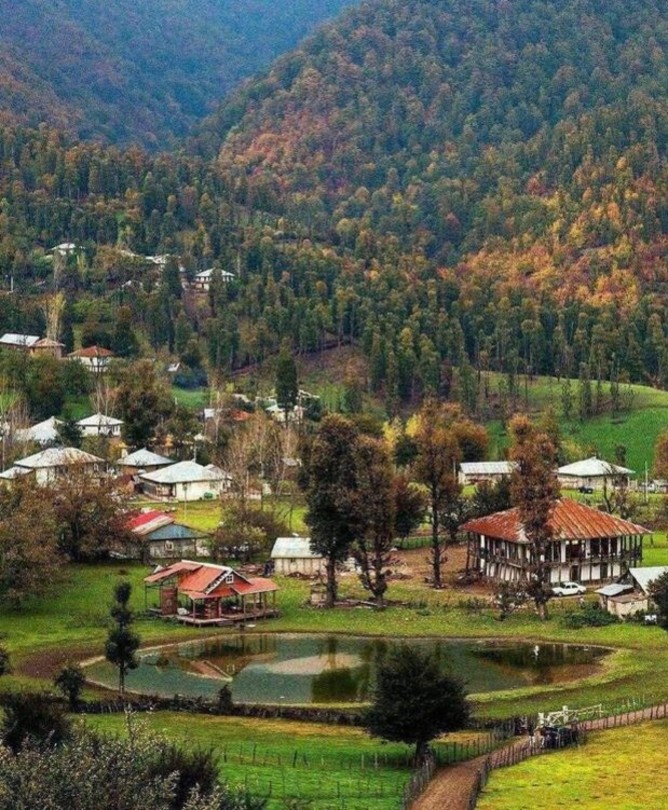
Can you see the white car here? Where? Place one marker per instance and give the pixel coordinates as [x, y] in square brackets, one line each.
[569, 589]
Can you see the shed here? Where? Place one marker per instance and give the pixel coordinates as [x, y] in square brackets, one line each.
[294, 555]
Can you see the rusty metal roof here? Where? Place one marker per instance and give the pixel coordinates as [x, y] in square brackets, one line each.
[569, 520]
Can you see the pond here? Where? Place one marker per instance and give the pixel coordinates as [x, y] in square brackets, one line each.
[323, 669]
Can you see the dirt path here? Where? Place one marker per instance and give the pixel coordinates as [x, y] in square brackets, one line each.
[452, 786]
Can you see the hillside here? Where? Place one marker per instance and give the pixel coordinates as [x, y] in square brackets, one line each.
[138, 72]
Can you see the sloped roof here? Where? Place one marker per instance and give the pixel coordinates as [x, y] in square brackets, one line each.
[293, 548]
[174, 531]
[643, 576]
[15, 339]
[144, 458]
[593, 468]
[92, 351]
[99, 420]
[161, 573]
[207, 580]
[487, 467]
[182, 472]
[43, 432]
[58, 457]
[47, 343]
[148, 521]
[569, 520]
[205, 275]
[14, 472]
[615, 589]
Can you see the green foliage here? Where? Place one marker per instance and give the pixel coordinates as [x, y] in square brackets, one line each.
[70, 682]
[589, 615]
[122, 643]
[32, 718]
[414, 701]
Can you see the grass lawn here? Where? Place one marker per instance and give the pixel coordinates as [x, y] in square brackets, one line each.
[622, 768]
[327, 766]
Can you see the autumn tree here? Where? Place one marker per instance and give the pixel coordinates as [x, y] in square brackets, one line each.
[435, 466]
[332, 494]
[661, 455]
[534, 491]
[410, 505]
[29, 553]
[143, 401]
[90, 515]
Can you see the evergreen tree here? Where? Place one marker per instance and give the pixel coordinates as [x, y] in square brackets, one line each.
[122, 643]
[287, 386]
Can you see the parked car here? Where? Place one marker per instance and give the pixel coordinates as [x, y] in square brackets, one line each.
[569, 589]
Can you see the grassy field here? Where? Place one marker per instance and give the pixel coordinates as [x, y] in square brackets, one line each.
[324, 767]
[622, 768]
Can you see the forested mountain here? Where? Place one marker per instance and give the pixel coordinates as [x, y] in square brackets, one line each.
[138, 72]
[454, 186]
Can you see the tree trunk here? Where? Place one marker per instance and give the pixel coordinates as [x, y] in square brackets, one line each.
[421, 752]
[331, 595]
[435, 547]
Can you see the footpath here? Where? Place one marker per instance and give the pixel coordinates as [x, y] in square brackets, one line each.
[456, 787]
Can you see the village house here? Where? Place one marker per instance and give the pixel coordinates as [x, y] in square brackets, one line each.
[95, 359]
[593, 474]
[142, 461]
[32, 344]
[294, 555]
[202, 281]
[183, 481]
[65, 248]
[43, 433]
[99, 424]
[587, 545]
[473, 472]
[160, 537]
[53, 463]
[202, 594]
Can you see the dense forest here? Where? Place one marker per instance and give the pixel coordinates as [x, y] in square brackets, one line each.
[454, 187]
[138, 72]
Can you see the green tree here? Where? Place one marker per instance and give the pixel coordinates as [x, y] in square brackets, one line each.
[70, 682]
[332, 494]
[414, 702]
[122, 642]
[658, 592]
[410, 506]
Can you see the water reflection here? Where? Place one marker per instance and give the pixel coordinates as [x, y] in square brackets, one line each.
[291, 668]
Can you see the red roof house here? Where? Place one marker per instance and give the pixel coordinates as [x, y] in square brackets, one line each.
[203, 593]
[587, 545]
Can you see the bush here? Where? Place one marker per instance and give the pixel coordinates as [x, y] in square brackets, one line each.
[590, 615]
[32, 718]
[70, 682]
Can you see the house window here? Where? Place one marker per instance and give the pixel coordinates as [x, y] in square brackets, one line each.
[229, 578]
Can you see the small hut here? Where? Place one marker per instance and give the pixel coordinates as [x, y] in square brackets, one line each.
[294, 555]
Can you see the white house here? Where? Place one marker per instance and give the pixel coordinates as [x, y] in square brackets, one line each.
[202, 281]
[94, 358]
[472, 472]
[183, 481]
[587, 545]
[55, 462]
[293, 555]
[65, 248]
[632, 594]
[99, 424]
[43, 433]
[592, 473]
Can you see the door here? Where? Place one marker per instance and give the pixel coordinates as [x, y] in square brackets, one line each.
[575, 573]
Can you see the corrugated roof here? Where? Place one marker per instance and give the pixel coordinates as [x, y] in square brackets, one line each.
[487, 467]
[615, 589]
[292, 548]
[173, 531]
[58, 457]
[144, 458]
[92, 351]
[255, 585]
[569, 520]
[171, 570]
[593, 468]
[643, 576]
[148, 521]
[14, 472]
[16, 339]
[182, 472]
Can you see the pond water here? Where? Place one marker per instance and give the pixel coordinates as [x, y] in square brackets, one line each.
[322, 669]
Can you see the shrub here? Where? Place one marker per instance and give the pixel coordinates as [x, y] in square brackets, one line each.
[590, 615]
